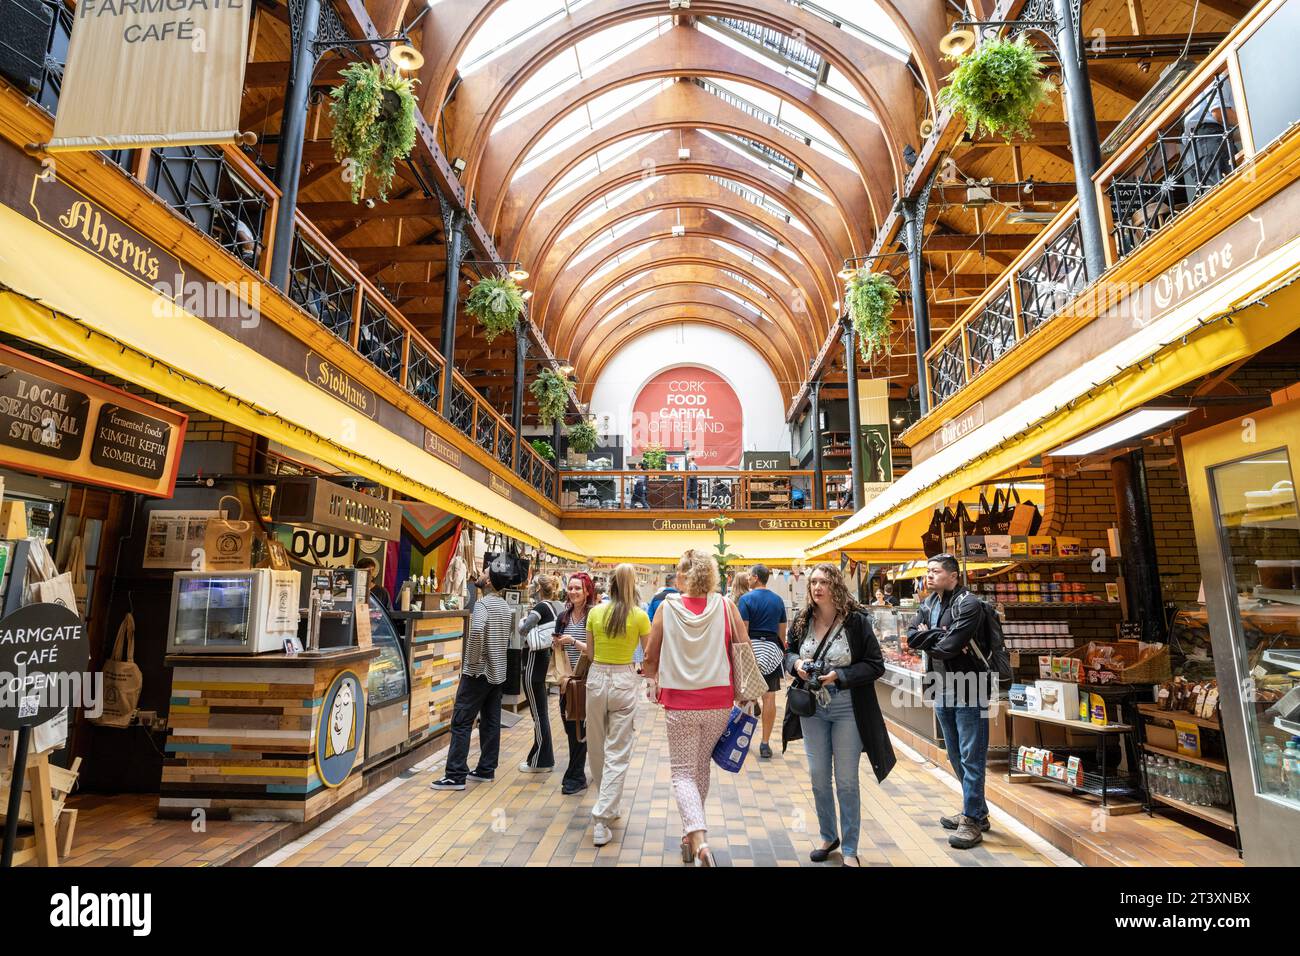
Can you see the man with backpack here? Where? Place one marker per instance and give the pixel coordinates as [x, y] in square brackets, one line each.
[953, 627]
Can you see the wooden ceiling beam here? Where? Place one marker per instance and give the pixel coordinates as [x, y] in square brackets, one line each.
[993, 242]
[393, 209]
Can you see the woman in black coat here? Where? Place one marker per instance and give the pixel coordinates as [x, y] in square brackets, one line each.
[835, 634]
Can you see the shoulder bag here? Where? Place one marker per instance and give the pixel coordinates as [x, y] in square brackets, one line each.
[799, 699]
[747, 681]
[543, 633]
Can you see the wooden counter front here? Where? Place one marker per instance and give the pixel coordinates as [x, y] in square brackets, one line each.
[434, 641]
[245, 730]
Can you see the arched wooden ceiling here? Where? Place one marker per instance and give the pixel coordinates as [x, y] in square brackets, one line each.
[575, 231]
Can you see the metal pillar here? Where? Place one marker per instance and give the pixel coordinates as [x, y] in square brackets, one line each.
[855, 425]
[1138, 545]
[914, 229]
[557, 433]
[819, 478]
[454, 225]
[1081, 119]
[293, 130]
[517, 404]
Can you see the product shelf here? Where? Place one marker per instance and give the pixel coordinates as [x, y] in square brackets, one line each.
[1216, 815]
[1057, 604]
[1199, 761]
[1151, 710]
[1116, 786]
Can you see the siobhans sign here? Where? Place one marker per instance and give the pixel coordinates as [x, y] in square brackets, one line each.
[690, 407]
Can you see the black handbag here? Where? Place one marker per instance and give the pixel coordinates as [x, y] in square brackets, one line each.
[799, 699]
[508, 562]
[932, 539]
[984, 520]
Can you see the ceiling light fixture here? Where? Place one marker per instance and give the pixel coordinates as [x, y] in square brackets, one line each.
[406, 57]
[1138, 422]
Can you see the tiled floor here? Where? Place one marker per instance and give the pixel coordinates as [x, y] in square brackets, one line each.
[763, 816]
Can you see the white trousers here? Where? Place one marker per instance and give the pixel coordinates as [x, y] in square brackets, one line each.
[612, 691]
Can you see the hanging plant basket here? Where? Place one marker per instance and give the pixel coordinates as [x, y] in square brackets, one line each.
[551, 389]
[374, 125]
[583, 437]
[872, 297]
[497, 304]
[655, 458]
[997, 86]
[543, 448]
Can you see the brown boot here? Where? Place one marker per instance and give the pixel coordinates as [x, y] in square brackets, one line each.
[967, 833]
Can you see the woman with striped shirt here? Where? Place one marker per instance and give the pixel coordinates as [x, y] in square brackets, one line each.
[571, 640]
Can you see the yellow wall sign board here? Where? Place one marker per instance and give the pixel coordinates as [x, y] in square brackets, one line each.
[153, 73]
[57, 423]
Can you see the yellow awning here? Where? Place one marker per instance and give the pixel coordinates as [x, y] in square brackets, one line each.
[666, 547]
[66, 300]
[1175, 349]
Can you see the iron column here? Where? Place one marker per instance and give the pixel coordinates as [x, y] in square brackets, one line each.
[855, 426]
[914, 229]
[819, 478]
[517, 405]
[454, 220]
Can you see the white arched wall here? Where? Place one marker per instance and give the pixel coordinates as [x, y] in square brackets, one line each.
[707, 346]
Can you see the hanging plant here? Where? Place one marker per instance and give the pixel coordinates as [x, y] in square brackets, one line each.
[872, 297]
[583, 437]
[655, 458]
[374, 125]
[543, 448]
[551, 389]
[497, 304]
[997, 86]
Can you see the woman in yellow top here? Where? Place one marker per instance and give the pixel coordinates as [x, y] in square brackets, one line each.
[614, 629]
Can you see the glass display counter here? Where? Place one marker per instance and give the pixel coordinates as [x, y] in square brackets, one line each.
[899, 690]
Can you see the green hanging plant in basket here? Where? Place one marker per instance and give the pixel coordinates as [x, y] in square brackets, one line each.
[497, 304]
[543, 448]
[872, 297]
[551, 389]
[655, 458]
[583, 437]
[374, 125]
[997, 86]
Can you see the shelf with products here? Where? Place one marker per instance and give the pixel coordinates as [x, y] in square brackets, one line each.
[1216, 815]
[1199, 761]
[770, 491]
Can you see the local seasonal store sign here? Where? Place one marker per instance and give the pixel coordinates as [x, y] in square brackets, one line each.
[54, 422]
[690, 408]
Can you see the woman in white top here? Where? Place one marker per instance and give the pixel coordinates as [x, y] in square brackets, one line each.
[688, 658]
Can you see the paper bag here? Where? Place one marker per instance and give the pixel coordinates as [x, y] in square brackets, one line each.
[122, 679]
[57, 590]
[228, 543]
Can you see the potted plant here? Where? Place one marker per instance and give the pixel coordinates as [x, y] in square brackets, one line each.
[374, 125]
[997, 86]
[872, 297]
[551, 389]
[582, 439]
[655, 458]
[497, 304]
[543, 448]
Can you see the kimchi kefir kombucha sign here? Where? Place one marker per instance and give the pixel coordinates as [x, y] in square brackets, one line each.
[693, 407]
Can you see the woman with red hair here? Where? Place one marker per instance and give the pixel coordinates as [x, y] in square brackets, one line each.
[571, 640]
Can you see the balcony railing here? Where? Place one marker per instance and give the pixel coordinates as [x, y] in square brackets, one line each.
[698, 490]
[222, 193]
[1223, 115]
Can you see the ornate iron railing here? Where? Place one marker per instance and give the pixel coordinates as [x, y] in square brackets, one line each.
[199, 183]
[485, 431]
[505, 447]
[380, 340]
[1185, 160]
[326, 293]
[947, 371]
[461, 412]
[991, 333]
[1050, 282]
[423, 376]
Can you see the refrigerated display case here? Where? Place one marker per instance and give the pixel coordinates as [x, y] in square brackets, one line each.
[233, 612]
[388, 689]
[899, 690]
[1244, 505]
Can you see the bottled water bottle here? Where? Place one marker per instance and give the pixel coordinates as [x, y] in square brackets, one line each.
[1271, 766]
[1291, 769]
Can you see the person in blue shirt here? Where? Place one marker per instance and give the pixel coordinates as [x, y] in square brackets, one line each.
[764, 612]
[670, 581]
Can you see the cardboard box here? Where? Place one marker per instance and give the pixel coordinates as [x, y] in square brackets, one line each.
[1019, 546]
[1069, 547]
[1033, 702]
[1040, 545]
[1163, 737]
[1059, 698]
[13, 520]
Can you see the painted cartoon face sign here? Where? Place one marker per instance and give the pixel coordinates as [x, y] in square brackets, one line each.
[340, 729]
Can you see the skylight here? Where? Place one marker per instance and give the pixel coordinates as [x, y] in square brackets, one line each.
[603, 239]
[606, 203]
[594, 165]
[591, 117]
[513, 23]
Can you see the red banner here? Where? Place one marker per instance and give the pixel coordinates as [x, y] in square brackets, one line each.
[690, 407]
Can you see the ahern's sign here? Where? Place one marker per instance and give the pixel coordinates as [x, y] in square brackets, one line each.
[56, 423]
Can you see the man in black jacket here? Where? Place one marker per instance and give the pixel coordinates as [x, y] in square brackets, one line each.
[949, 619]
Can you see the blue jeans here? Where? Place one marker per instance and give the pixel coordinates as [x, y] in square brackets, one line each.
[966, 735]
[831, 735]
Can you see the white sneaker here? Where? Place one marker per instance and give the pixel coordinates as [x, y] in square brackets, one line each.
[525, 768]
[601, 835]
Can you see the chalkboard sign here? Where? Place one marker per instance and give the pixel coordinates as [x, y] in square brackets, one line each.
[1130, 630]
[129, 441]
[42, 416]
[44, 649]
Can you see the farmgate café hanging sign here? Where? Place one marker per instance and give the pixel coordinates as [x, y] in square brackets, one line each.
[144, 73]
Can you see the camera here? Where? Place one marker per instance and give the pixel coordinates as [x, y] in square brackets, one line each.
[813, 670]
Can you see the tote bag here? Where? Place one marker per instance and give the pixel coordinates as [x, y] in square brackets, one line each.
[76, 568]
[1025, 517]
[732, 747]
[228, 543]
[932, 539]
[122, 679]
